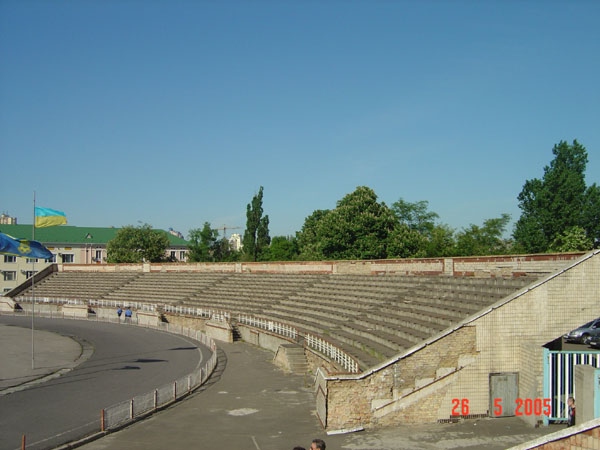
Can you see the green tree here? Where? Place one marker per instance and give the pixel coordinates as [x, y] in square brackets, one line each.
[485, 240]
[256, 236]
[137, 244]
[415, 215]
[557, 202]
[282, 248]
[309, 238]
[405, 242]
[572, 240]
[591, 214]
[433, 239]
[202, 243]
[358, 228]
[441, 242]
[222, 252]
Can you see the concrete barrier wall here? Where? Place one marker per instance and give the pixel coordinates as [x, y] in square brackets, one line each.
[261, 338]
[490, 266]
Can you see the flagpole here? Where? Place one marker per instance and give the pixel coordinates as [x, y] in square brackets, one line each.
[33, 291]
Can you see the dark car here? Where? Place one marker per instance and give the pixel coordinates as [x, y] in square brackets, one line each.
[584, 332]
[594, 341]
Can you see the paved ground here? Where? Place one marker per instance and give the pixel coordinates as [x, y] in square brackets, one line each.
[251, 404]
[53, 355]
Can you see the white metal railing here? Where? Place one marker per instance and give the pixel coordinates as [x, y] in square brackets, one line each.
[53, 301]
[221, 316]
[115, 303]
[91, 302]
[269, 325]
[332, 352]
[321, 345]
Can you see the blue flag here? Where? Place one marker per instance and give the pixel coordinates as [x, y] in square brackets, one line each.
[23, 247]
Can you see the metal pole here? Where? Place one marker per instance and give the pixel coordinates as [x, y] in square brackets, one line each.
[33, 291]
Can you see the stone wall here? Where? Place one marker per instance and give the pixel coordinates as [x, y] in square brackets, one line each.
[428, 382]
[406, 390]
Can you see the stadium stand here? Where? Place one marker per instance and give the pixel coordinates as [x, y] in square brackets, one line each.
[371, 318]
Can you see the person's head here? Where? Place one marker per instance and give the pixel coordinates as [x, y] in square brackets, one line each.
[299, 448]
[571, 401]
[317, 444]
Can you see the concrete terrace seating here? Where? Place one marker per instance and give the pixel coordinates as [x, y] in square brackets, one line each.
[250, 293]
[163, 287]
[79, 286]
[372, 318]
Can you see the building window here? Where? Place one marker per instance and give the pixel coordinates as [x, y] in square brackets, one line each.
[172, 255]
[10, 275]
[98, 256]
[67, 257]
[10, 259]
[182, 256]
[29, 273]
[52, 260]
[31, 260]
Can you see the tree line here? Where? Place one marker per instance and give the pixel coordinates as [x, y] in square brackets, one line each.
[559, 213]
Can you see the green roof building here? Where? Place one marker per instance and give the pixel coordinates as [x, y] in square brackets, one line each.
[69, 245]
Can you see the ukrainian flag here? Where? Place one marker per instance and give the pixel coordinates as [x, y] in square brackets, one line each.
[22, 247]
[46, 217]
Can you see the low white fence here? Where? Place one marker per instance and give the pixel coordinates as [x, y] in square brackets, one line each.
[316, 343]
[213, 314]
[332, 352]
[91, 302]
[269, 325]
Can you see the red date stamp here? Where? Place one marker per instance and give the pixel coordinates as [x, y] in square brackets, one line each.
[522, 407]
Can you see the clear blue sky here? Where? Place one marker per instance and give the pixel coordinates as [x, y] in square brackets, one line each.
[174, 113]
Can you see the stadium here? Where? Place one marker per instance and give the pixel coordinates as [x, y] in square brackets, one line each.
[389, 342]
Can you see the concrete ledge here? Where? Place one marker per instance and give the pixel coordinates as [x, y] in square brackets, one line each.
[220, 331]
[148, 318]
[7, 304]
[80, 311]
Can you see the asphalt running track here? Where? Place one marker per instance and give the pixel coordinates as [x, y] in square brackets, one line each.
[125, 361]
